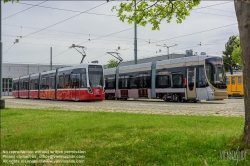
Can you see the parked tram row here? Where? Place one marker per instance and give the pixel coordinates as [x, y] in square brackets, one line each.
[80, 82]
[182, 79]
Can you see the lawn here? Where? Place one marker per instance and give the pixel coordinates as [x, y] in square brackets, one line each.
[121, 138]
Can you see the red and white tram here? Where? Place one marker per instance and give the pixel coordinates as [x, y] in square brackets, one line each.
[80, 82]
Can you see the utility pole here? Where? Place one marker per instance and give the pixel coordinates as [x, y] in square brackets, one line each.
[50, 58]
[135, 41]
[2, 101]
[167, 46]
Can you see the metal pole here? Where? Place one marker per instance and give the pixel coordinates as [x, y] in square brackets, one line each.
[135, 42]
[8, 86]
[1, 65]
[28, 72]
[50, 58]
[168, 50]
[2, 101]
[4, 86]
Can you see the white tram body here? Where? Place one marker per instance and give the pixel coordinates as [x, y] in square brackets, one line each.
[182, 79]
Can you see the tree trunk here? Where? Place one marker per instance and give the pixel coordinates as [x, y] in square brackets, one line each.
[242, 8]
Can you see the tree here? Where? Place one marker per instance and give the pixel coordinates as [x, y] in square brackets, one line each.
[153, 12]
[236, 53]
[228, 52]
[242, 9]
[10, 1]
[112, 63]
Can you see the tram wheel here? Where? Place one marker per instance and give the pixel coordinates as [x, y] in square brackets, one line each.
[164, 98]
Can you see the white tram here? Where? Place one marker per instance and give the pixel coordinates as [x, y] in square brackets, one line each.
[182, 79]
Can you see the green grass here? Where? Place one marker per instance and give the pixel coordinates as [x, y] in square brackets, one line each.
[122, 139]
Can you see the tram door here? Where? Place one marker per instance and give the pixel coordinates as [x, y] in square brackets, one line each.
[191, 83]
[142, 90]
[75, 88]
[234, 85]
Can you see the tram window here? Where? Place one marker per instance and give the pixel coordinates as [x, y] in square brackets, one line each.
[36, 84]
[210, 73]
[123, 82]
[32, 85]
[61, 82]
[177, 80]
[43, 85]
[52, 83]
[66, 81]
[141, 81]
[233, 80]
[144, 81]
[148, 81]
[110, 83]
[20, 85]
[133, 82]
[162, 81]
[239, 80]
[24, 85]
[83, 80]
[75, 81]
[202, 81]
[15, 86]
[47, 83]
[228, 80]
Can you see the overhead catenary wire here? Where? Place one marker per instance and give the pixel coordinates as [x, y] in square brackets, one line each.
[91, 40]
[97, 38]
[8, 48]
[68, 10]
[102, 14]
[68, 32]
[183, 35]
[24, 10]
[64, 20]
[188, 34]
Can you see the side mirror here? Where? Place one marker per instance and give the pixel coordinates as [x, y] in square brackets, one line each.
[214, 69]
[230, 67]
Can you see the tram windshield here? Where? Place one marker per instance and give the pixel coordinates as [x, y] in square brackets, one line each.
[95, 76]
[215, 72]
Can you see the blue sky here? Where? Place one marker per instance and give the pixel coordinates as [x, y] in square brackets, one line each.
[86, 28]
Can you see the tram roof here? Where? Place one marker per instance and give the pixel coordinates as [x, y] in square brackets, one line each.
[182, 58]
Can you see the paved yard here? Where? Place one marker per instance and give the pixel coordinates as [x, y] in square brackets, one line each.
[228, 107]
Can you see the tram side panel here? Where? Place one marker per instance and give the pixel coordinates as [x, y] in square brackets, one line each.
[235, 85]
[34, 86]
[15, 88]
[24, 87]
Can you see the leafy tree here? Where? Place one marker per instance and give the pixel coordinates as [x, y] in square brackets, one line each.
[112, 63]
[154, 11]
[228, 51]
[10, 1]
[236, 54]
